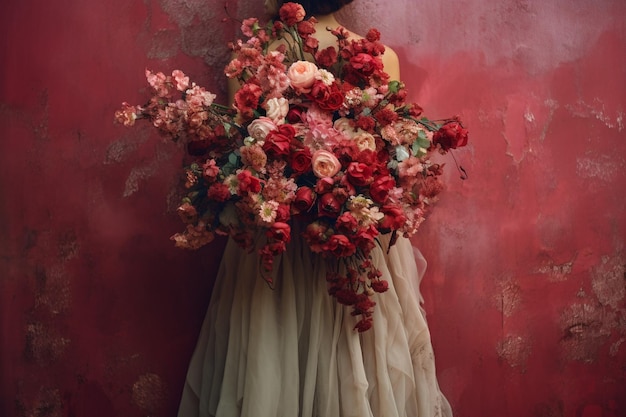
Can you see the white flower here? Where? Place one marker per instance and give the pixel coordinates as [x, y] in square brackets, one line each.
[325, 76]
[276, 108]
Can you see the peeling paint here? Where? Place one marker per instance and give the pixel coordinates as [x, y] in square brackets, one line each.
[509, 297]
[47, 403]
[119, 150]
[68, 245]
[515, 350]
[609, 281]
[43, 344]
[557, 272]
[602, 167]
[149, 392]
[53, 290]
[136, 175]
[584, 331]
[597, 111]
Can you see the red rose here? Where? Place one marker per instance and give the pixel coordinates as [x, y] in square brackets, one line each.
[279, 231]
[282, 213]
[278, 142]
[332, 98]
[295, 115]
[346, 223]
[451, 135]
[328, 205]
[300, 161]
[359, 174]
[305, 197]
[379, 190]
[340, 246]
[248, 183]
[324, 185]
[394, 217]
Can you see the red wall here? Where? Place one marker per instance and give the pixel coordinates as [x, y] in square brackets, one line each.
[525, 291]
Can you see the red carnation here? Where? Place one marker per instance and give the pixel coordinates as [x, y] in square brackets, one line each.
[291, 13]
[248, 183]
[327, 57]
[451, 135]
[219, 192]
[340, 246]
[247, 99]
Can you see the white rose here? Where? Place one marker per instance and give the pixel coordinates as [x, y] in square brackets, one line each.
[344, 126]
[302, 75]
[276, 108]
[259, 128]
[364, 140]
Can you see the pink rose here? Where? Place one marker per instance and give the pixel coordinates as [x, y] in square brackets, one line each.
[259, 128]
[325, 164]
[302, 75]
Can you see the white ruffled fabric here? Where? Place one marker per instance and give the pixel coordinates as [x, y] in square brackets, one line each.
[292, 351]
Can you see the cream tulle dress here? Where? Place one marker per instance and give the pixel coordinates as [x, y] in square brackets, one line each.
[291, 351]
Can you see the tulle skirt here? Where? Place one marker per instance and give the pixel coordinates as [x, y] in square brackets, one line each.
[291, 351]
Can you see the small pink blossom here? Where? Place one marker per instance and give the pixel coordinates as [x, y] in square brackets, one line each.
[182, 81]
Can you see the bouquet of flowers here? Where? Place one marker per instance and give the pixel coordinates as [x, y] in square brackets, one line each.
[317, 136]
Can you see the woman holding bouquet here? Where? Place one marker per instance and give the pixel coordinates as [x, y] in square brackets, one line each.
[289, 349]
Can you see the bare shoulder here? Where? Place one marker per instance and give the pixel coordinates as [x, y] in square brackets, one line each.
[391, 63]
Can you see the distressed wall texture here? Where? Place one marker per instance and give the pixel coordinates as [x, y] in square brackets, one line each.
[525, 291]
